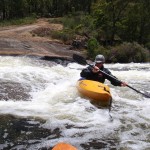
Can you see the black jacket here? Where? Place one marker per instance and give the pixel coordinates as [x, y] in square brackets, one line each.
[89, 75]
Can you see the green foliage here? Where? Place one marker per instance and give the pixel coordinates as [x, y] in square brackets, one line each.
[109, 22]
[66, 35]
[129, 52]
[92, 47]
[79, 24]
[10, 9]
[148, 45]
[56, 20]
[71, 22]
[23, 21]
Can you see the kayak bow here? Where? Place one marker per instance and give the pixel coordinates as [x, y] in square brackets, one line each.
[97, 92]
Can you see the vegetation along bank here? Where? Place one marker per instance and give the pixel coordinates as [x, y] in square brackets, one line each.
[118, 29]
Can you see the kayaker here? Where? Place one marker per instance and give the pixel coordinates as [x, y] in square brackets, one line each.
[92, 72]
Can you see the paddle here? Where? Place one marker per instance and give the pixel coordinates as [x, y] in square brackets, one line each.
[81, 60]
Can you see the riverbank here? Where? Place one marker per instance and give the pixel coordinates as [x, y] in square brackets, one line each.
[18, 40]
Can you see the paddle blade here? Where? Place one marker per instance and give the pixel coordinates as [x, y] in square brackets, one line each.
[79, 59]
[64, 146]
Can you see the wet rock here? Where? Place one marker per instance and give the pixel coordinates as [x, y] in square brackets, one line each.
[98, 144]
[57, 60]
[45, 49]
[14, 91]
[20, 133]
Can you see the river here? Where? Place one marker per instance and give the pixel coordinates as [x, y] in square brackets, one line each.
[40, 106]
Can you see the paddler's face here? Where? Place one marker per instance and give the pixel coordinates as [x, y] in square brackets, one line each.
[99, 65]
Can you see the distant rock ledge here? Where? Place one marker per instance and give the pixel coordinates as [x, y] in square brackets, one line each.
[47, 50]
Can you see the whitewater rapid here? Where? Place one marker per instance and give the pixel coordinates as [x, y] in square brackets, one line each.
[52, 96]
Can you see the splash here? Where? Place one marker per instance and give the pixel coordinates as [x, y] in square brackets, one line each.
[32, 88]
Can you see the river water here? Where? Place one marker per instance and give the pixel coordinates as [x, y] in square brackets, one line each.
[40, 106]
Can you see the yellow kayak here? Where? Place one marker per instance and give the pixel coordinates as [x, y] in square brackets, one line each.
[98, 93]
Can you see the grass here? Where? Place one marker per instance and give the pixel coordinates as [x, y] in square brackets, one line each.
[22, 21]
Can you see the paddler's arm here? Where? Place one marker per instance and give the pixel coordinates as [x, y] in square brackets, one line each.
[114, 81]
[87, 72]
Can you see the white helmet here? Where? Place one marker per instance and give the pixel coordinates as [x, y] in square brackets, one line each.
[99, 59]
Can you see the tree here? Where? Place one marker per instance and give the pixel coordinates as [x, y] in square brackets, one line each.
[136, 23]
[108, 14]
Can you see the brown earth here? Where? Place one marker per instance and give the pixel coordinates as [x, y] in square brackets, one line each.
[18, 40]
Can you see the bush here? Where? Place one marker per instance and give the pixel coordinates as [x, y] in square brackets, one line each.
[92, 47]
[22, 21]
[71, 22]
[46, 31]
[65, 35]
[129, 52]
[148, 45]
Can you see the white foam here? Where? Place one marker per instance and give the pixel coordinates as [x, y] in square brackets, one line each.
[54, 97]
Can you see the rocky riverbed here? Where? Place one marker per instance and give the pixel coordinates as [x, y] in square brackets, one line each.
[16, 132]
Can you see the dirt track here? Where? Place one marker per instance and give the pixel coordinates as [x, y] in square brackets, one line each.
[18, 40]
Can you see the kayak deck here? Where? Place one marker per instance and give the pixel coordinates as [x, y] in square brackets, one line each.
[97, 92]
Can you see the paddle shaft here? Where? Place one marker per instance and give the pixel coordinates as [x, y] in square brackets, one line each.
[138, 91]
[121, 82]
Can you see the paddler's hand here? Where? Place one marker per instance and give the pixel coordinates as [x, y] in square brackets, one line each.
[95, 69]
[123, 84]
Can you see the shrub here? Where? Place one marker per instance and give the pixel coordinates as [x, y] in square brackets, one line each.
[65, 35]
[129, 52]
[22, 21]
[92, 47]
